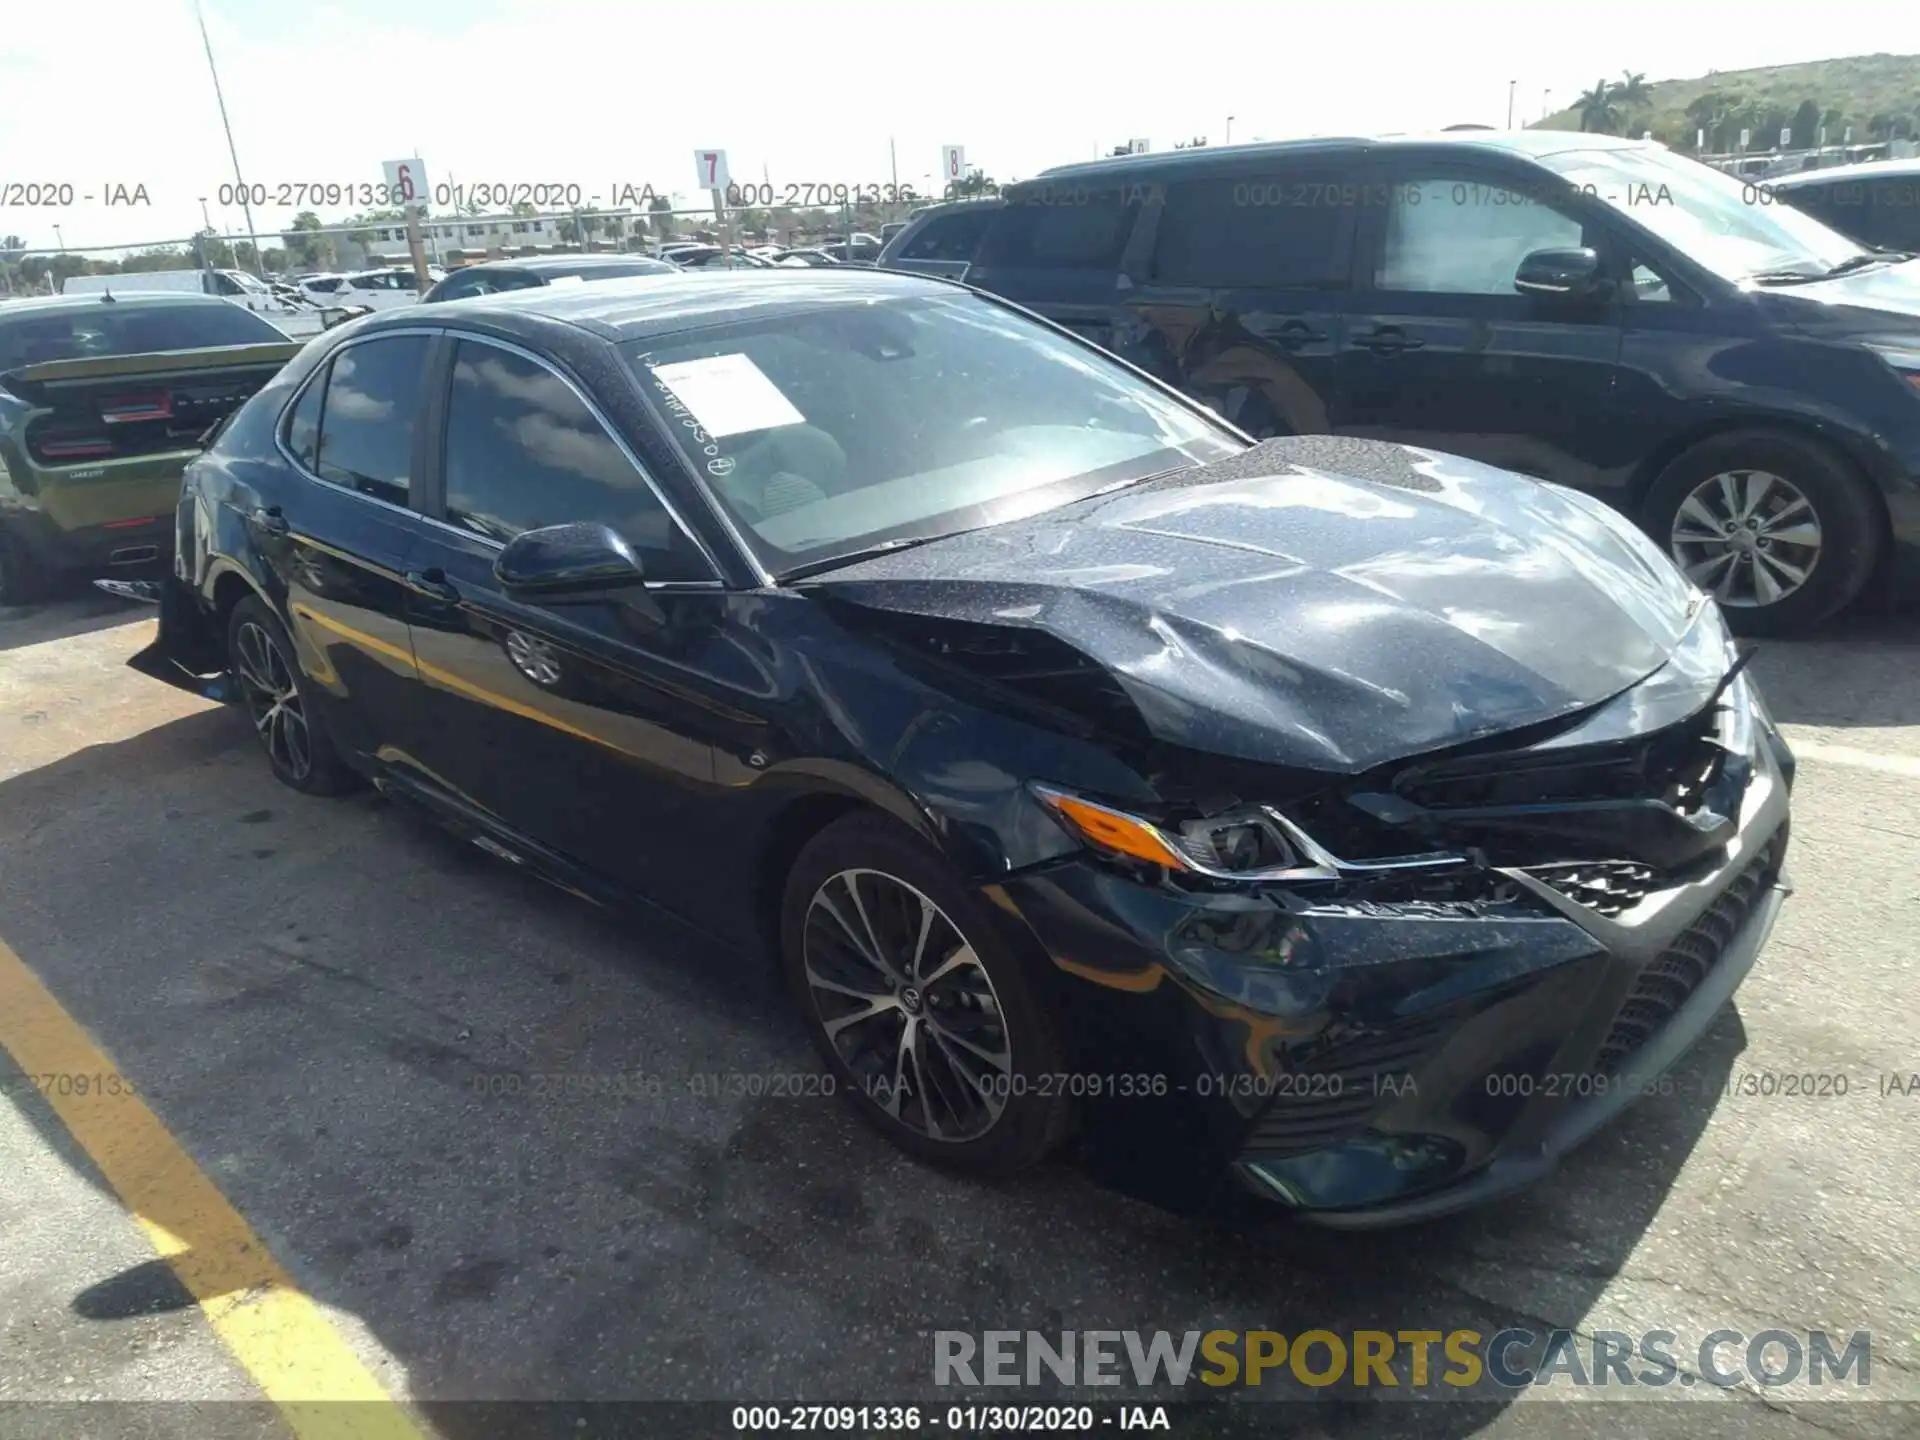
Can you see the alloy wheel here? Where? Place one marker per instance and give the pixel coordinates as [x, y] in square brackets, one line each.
[1747, 537]
[273, 700]
[907, 1005]
[533, 658]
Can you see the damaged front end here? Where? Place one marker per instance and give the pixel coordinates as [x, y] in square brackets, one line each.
[1398, 991]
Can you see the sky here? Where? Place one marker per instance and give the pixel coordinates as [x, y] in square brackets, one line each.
[599, 93]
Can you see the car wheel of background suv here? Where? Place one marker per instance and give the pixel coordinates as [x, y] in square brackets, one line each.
[1781, 530]
[275, 696]
[927, 1021]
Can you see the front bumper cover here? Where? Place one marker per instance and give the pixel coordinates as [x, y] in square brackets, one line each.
[1370, 1065]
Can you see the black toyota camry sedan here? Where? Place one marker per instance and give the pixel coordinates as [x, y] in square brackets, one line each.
[1353, 823]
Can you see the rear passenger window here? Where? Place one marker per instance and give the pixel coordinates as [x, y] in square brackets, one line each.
[1292, 232]
[949, 237]
[1062, 226]
[524, 451]
[366, 422]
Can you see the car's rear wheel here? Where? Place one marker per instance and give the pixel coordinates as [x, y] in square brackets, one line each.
[276, 698]
[1783, 532]
[929, 1023]
[21, 580]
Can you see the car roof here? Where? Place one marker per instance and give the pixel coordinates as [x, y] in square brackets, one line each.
[1232, 157]
[146, 299]
[641, 306]
[1866, 170]
[949, 207]
[539, 264]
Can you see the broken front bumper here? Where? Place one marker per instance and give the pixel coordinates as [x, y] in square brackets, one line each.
[1370, 1064]
[188, 652]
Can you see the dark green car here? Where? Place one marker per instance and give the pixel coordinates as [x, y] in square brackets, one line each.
[103, 401]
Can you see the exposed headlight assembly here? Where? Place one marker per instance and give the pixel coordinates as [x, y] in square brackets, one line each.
[1247, 844]
[1251, 844]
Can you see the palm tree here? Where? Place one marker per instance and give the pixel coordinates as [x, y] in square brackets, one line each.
[1597, 112]
[1633, 89]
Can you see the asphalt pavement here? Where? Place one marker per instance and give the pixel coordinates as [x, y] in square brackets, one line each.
[388, 1114]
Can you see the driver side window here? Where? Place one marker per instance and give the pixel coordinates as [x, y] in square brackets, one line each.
[1465, 237]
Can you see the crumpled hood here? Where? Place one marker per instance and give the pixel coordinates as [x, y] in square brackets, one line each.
[1319, 602]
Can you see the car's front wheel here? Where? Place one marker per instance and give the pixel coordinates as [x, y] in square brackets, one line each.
[1783, 532]
[275, 696]
[927, 1020]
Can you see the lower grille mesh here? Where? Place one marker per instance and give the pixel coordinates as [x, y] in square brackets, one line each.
[1326, 1098]
[1672, 976]
[1611, 887]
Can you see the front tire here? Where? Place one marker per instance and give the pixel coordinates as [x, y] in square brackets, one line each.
[1780, 530]
[928, 1021]
[277, 700]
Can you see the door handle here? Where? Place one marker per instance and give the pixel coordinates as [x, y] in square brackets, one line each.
[1294, 334]
[271, 520]
[433, 583]
[1387, 340]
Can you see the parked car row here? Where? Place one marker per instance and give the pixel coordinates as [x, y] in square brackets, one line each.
[1741, 379]
[1297, 795]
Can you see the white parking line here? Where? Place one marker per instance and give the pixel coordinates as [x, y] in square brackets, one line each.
[1903, 765]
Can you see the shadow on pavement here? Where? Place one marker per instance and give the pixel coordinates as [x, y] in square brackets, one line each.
[76, 608]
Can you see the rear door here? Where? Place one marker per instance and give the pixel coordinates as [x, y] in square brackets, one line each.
[1057, 247]
[1243, 294]
[339, 539]
[1444, 352]
[574, 722]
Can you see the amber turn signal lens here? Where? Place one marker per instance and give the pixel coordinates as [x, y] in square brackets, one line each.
[1114, 830]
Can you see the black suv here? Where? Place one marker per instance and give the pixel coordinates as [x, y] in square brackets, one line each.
[1593, 311]
[1877, 203]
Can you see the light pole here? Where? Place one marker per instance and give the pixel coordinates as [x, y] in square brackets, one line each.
[232, 152]
[1512, 85]
[60, 239]
[1229, 139]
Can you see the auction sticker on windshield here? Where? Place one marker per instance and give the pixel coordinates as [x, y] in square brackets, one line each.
[728, 395]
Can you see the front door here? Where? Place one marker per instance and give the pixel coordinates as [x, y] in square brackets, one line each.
[1444, 352]
[577, 722]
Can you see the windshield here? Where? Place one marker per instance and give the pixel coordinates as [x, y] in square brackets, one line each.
[1720, 222]
[829, 432]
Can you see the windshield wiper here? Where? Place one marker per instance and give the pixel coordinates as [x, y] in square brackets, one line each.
[1860, 262]
[1788, 277]
[854, 557]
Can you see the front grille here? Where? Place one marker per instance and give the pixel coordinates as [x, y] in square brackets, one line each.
[1326, 1097]
[1611, 887]
[1672, 976]
[1676, 765]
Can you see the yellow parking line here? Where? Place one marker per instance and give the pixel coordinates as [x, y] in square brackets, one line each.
[283, 1339]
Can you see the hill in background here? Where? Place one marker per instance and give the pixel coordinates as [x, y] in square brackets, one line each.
[1878, 95]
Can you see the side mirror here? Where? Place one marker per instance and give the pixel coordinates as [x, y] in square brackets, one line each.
[558, 559]
[1561, 274]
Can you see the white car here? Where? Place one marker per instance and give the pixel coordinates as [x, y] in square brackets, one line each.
[377, 289]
